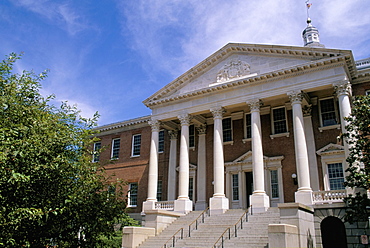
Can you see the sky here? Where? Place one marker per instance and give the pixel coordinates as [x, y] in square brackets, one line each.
[110, 55]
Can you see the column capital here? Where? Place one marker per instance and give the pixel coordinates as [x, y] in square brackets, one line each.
[202, 129]
[155, 125]
[255, 104]
[307, 109]
[173, 134]
[342, 88]
[218, 112]
[185, 119]
[295, 97]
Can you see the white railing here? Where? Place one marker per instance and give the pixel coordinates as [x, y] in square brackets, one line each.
[164, 205]
[329, 196]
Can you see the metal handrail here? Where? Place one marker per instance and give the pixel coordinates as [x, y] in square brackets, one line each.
[172, 241]
[231, 231]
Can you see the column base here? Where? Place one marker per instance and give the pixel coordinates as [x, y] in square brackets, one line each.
[183, 206]
[304, 197]
[259, 202]
[218, 205]
[148, 205]
[200, 205]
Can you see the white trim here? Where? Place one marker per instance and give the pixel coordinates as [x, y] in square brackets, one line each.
[331, 153]
[274, 134]
[129, 194]
[232, 131]
[322, 127]
[96, 152]
[245, 128]
[132, 145]
[119, 148]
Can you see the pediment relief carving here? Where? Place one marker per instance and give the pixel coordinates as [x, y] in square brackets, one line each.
[235, 68]
[246, 158]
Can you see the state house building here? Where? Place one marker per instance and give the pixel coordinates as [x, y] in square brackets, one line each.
[250, 126]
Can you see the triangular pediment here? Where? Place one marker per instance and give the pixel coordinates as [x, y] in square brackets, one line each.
[331, 149]
[237, 64]
[246, 158]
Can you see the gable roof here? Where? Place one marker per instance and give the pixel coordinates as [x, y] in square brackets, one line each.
[318, 57]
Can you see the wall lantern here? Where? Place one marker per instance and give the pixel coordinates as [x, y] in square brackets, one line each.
[295, 181]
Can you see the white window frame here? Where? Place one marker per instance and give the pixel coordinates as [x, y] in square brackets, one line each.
[331, 154]
[277, 183]
[367, 92]
[246, 138]
[135, 145]
[161, 141]
[235, 186]
[159, 190]
[192, 135]
[96, 152]
[274, 134]
[231, 131]
[130, 195]
[114, 149]
[333, 126]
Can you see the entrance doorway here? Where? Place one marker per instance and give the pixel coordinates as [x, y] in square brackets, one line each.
[249, 184]
[333, 233]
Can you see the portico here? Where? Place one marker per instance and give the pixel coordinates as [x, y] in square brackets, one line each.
[261, 81]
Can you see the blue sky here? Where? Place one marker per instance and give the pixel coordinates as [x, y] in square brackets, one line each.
[110, 55]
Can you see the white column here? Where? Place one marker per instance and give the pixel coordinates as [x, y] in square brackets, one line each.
[240, 186]
[183, 204]
[171, 188]
[304, 193]
[149, 204]
[343, 91]
[259, 200]
[201, 203]
[311, 147]
[218, 203]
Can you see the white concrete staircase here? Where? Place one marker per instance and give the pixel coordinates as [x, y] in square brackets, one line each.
[159, 240]
[212, 228]
[254, 233]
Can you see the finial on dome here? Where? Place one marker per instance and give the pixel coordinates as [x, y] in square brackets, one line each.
[311, 34]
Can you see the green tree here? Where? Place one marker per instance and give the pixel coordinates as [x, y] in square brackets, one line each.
[51, 194]
[358, 138]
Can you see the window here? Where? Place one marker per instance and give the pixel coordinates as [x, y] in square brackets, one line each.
[191, 136]
[115, 148]
[161, 141]
[227, 130]
[159, 190]
[235, 187]
[191, 188]
[336, 176]
[279, 120]
[367, 92]
[96, 152]
[136, 145]
[328, 112]
[274, 184]
[248, 126]
[132, 195]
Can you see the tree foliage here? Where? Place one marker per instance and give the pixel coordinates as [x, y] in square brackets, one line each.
[51, 194]
[358, 138]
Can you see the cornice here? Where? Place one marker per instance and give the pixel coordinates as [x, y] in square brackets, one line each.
[251, 49]
[121, 124]
[266, 77]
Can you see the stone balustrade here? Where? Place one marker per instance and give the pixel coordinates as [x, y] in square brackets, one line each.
[164, 205]
[329, 196]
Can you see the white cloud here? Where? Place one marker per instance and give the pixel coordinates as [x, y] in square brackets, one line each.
[176, 35]
[61, 14]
